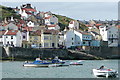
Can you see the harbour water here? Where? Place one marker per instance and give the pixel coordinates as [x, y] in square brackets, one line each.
[15, 69]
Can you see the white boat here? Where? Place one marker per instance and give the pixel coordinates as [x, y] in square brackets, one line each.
[105, 73]
[66, 63]
[80, 62]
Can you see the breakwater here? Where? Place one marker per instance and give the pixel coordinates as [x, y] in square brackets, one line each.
[30, 53]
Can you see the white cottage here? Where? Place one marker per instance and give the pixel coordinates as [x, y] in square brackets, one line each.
[77, 38]
[12, 38]
[73, 25]
[51, 20]
[30, 24]
[103, 32]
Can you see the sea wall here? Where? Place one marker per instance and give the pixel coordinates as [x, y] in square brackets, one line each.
[106, 52]
[30, 53]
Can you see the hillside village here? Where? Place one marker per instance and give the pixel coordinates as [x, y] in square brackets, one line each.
[36, 29]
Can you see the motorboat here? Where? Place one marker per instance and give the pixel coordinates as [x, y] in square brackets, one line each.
[66, 63]
[37, 63]
[43, 63]
[56, 60]
[105, 73]
[80, 62]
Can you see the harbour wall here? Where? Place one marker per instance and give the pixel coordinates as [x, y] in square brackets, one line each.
[92, 53]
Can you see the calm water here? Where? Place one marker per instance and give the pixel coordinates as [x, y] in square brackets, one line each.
[16, 70]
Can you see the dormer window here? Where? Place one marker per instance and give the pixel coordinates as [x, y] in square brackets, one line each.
[29, 23]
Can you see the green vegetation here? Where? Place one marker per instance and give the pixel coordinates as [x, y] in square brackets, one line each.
[64, 22]
[7, 12]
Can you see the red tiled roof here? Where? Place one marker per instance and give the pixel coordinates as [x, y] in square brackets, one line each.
[51, 31]
[118, 26]
[29, 13]
[5, 24]
[19, 25]
[26, 9]
[98, 24]
[51, 25]
[12, 32]
[2, 32]
[27, 28]
[47, 17]
[22, 21]
[88, 25]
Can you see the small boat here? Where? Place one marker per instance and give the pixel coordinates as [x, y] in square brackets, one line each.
[42, 63]
[66, 63]
[77, 63]
[105, 73]
[36, 63]
[56, 60]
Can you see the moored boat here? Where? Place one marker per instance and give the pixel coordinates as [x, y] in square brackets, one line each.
[105, 73]
[37, 63]
[43, 63]
[80, 62]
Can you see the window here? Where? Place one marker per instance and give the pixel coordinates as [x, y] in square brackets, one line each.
[72, 38]
[6, 37]
[53, 45]
[45, 44]
[35, 38]
[29, 23]
[11, 37]
[46, 38]
[23, 37]
[72, 43]
[83, 42]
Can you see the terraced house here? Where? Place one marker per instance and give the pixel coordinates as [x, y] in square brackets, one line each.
[49, 39]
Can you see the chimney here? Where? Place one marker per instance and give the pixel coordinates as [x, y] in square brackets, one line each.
[28, 5]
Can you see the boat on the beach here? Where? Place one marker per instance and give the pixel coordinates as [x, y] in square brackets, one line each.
[80, 62]
[105, 72]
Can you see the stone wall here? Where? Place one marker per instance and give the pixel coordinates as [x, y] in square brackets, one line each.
[30, 53]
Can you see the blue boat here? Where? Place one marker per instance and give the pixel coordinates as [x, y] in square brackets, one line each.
[37, 63]
[43, 63]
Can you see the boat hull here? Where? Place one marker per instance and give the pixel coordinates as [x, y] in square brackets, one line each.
[36, 65]
[104, 73]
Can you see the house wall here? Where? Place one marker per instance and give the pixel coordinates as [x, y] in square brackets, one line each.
[95, 43]
[69, 38]
[49, 41]
[75, 25]
[113, 36]
[78, 38]
[51, 20]
[103, 33]
[30, 24]
[35, 41]
[19, 39]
